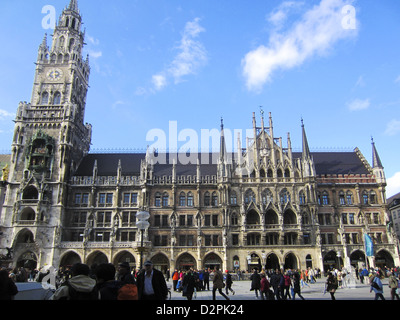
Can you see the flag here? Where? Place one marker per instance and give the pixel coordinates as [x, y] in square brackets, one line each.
[369, 246]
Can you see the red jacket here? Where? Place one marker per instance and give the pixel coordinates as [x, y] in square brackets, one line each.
[264, 285]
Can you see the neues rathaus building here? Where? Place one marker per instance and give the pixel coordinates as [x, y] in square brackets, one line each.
[263, 206]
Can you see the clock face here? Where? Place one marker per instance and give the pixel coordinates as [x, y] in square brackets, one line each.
[54, 74]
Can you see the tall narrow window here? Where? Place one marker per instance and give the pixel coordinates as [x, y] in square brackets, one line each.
[190, 199]
[57, 98]
[45, 98]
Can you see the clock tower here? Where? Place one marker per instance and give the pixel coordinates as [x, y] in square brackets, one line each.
[50, 140]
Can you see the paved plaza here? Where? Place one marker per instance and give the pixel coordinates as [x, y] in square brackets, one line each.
[315, 291]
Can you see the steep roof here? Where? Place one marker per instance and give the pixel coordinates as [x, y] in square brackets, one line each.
[107, 164]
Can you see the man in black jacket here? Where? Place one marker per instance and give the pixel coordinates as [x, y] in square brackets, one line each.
[151, 283]
[276, 280]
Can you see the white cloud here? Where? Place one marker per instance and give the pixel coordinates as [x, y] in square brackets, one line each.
[358, 104]
[393, 127]
[393, 185]
[5, 114]
[397, 80]
[191, 55]
[279, 15]
[95, 54]
[92, 40]
[159, 81]
[313, 34]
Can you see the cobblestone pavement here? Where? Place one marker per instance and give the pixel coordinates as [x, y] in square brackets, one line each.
[315, 291]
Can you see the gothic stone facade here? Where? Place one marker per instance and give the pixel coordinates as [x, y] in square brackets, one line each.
[263, 206]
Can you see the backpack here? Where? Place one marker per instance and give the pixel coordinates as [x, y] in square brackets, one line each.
[128, 292]
[78, 295]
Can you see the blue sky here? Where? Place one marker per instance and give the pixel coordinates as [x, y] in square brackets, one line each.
[193, 62]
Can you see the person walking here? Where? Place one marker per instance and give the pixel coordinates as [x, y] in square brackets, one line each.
[264, 288]
[229, 283]
[287, 286]
[377, 287]
[255, 282]
[296, 286]
[393, 285]
[275, 283]
[151, 283]
[188, 284]
[331, 285]
[175, 278]
[206, 280]
[218, 283]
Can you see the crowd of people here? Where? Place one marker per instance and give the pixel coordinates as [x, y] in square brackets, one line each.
[106, 282]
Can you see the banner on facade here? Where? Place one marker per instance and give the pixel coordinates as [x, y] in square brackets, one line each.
[369, 245]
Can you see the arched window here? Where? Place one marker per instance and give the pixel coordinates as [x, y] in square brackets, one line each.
[234, 219]
[267, 197]
[284, 196]
[165, 199]
[61, 42]
[249, 196]
[182, 199]
[233, 199]
[214, 199]
[57, 98]
[45, 98]
[342, 200]
[349, 197]
[157, 200]
[207, 199]
[302, 197]
[71, 44]
[190, 202]
[325, 198]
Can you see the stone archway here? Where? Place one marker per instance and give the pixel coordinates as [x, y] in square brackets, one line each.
[384, 259]
[332, 260]
[96, 257]
[212, 260]
[27, 260]
[69, 259]
[358, 259]
[272, 262]
[161, 262]
[291, 262]
[126, 256]
[186, 261]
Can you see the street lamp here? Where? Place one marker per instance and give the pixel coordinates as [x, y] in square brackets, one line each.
[142, 224]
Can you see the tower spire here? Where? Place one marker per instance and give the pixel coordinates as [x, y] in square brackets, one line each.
[376, 161]
[306, 149]
[222, 152]
[73, 6]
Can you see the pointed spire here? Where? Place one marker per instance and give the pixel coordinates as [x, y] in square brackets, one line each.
[43, 46]
[376, 161]
[222, 152]
[73, 6]
[306, 149]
